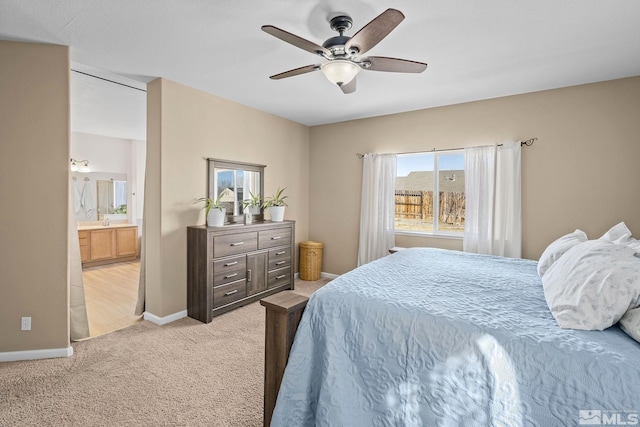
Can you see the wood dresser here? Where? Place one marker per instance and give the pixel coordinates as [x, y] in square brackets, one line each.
[233, 265]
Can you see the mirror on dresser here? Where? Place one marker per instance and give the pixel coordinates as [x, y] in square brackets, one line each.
[234, 181]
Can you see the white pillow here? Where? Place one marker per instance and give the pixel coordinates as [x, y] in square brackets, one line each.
[630, 323]
[619, 233]
[633, 244]
[559, 247]
[593, 285]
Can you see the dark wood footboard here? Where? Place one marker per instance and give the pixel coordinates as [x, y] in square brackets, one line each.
[283, 313]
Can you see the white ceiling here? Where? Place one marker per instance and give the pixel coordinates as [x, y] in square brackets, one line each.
[475, 50]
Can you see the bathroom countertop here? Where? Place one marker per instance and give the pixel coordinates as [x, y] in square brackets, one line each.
[100, 226]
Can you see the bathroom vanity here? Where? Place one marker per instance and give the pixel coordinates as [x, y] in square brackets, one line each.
[105, 244]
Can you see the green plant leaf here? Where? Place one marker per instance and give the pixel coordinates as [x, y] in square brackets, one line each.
[276, 200]
[253, 201]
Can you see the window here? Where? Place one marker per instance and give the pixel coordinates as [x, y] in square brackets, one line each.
[420, 177]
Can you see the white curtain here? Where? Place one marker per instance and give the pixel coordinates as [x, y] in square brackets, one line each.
[78, 322]
[493, 218]
[142, 278]
[251, 185]
[377, 210]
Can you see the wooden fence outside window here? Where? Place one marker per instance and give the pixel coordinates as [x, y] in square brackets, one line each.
[418, 205]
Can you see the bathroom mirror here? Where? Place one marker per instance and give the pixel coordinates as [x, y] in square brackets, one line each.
[234, 181]
[111, 197]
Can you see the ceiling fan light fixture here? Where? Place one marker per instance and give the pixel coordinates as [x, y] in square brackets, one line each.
[340, 71]
[343, 53]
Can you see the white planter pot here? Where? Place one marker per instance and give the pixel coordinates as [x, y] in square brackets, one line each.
[277, 213]
[215, 218]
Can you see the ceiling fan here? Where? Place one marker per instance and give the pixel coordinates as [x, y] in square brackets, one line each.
[343, 53]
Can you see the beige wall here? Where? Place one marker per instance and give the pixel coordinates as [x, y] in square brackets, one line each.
[34, 173]
[186, 126]
[581, 173]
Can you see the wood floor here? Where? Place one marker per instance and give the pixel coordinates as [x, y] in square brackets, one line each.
[111, 293]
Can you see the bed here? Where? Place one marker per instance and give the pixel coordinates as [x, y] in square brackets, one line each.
[431, 337]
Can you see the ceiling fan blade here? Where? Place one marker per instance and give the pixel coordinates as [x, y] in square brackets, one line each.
[296, 72]
[349, 87]
[394, 65]
[371, 34]
[295, 40]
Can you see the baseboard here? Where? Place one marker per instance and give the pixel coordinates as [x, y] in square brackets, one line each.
[166, 319]
[322, 275]
[179, 315]
[50, 353]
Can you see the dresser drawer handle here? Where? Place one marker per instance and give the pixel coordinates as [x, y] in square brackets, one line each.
[281, 277]
[237, 244]
[226, 294]
[280, 262]
[281, 253]
[276, 238]
[229, 264]
[229, 276]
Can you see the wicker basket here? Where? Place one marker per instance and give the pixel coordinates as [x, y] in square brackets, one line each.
[310, 260]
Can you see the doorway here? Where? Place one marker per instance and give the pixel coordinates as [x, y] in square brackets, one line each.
[108, 117]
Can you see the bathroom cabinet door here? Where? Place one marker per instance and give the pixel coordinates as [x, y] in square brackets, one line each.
[126, 241]
[103, 244]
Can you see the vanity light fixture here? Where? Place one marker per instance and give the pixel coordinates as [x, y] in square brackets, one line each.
[84, 165]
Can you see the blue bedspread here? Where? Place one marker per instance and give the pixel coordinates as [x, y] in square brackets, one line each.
[428, 337]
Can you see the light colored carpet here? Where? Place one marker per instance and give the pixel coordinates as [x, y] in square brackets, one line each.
[186, 373]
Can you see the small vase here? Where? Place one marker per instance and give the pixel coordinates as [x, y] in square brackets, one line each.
[277, 213]
[215, 218]
[248, 217]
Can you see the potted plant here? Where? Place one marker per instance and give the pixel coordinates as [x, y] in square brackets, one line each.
[276, 205]
[214, 212]
[249, 206]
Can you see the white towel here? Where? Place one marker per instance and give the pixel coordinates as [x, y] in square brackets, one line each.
[87, 199]
[77, 196]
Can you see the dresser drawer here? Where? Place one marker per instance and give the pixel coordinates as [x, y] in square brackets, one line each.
[279, 258]
[226, 294]
[233, 244]
[229, 269]
[279, 277]
[272, 238]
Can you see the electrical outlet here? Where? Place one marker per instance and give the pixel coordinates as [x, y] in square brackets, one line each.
[26, 323]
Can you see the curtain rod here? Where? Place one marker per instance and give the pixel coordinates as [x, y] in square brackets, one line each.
[528, 143]
[107, 80]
